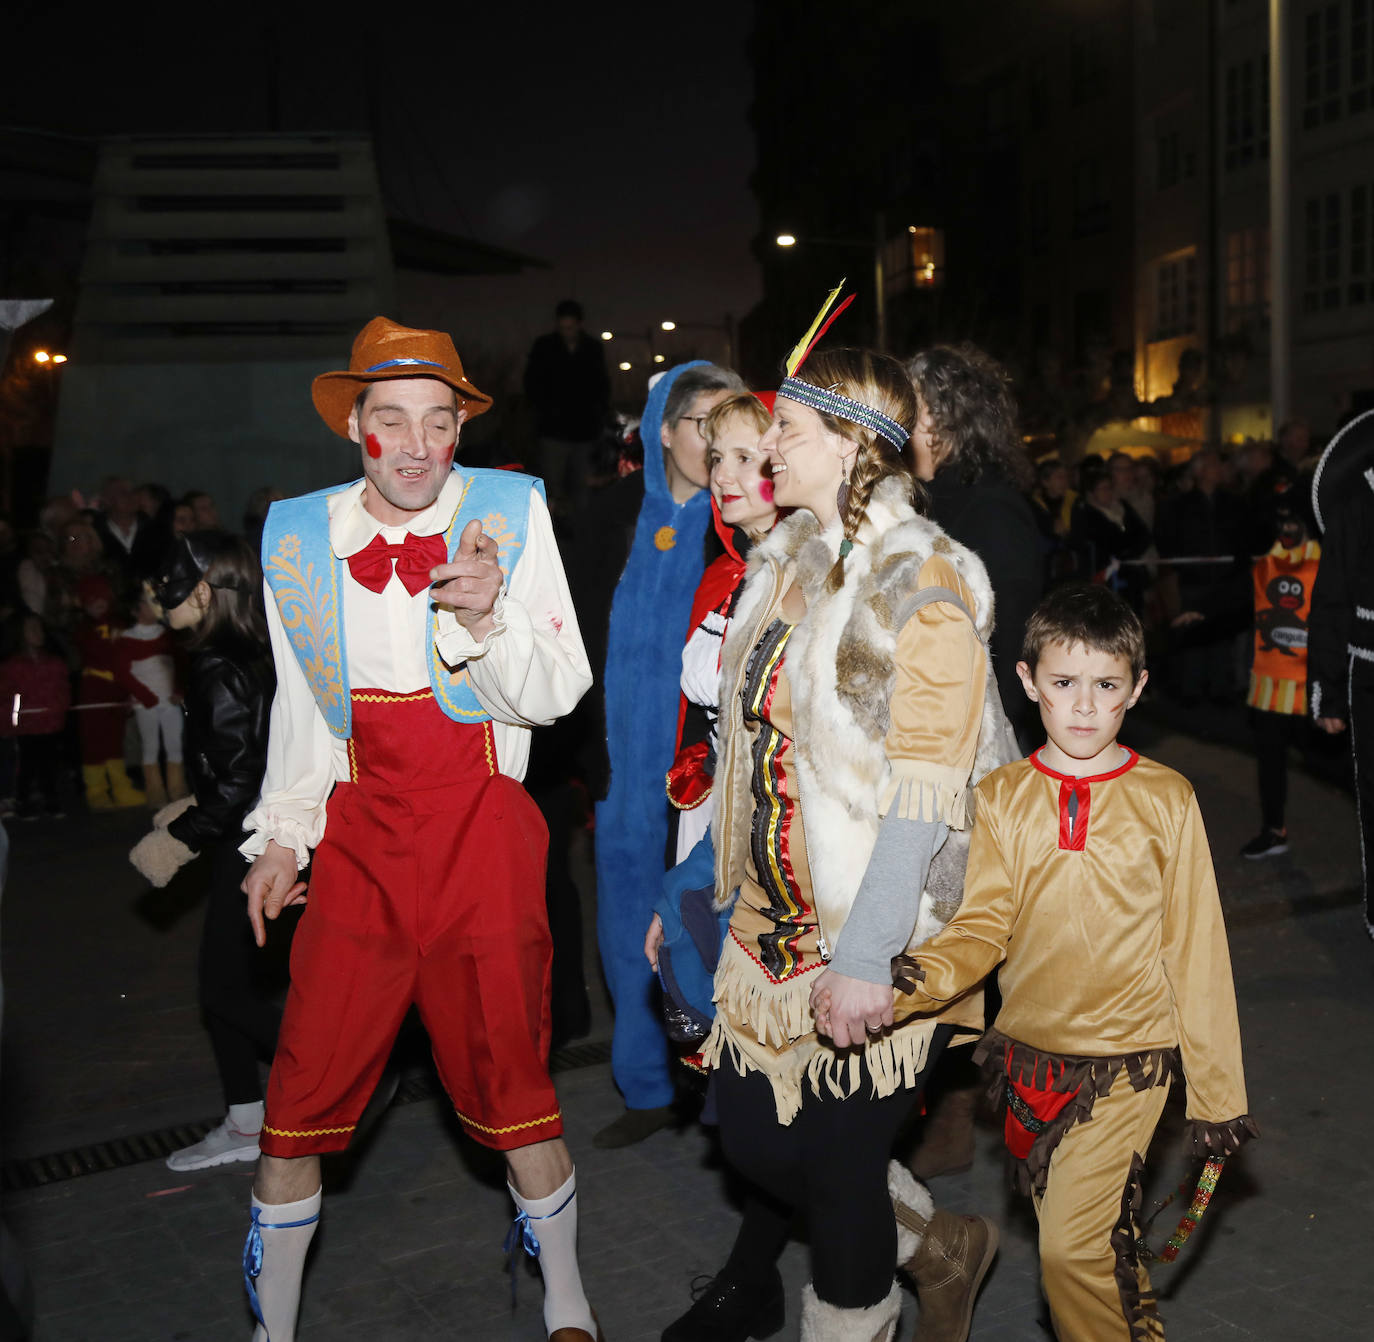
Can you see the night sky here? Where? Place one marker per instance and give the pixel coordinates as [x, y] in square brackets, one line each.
[610, 140]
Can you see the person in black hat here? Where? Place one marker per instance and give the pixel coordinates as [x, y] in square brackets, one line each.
[210, 587]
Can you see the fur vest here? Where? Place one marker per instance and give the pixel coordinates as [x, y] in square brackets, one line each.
[841, 666]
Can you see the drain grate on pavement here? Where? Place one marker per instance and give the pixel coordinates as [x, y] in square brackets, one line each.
[143, 1147]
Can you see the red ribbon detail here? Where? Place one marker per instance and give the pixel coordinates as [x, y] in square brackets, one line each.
[1074, 836]
[413, 558]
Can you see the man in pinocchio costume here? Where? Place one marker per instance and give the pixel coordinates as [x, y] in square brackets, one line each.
[421, 625]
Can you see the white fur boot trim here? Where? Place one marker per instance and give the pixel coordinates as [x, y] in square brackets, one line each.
[908, 1193]
[822, 1322]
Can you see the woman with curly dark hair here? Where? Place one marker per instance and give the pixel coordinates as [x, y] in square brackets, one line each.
[968, 451]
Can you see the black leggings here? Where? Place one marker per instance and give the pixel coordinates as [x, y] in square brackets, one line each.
[239, 1013]
[831, 1160]
[1274, 734]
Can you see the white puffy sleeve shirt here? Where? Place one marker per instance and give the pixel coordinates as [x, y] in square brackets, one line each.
[530, 670]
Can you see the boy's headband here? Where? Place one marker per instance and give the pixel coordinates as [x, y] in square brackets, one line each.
[824, 399]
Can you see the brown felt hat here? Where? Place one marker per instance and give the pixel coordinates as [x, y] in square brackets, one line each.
[383, 351]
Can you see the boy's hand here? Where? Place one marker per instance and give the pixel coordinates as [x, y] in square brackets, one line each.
[853, 1009]
[1185, 618]
[1331, 726]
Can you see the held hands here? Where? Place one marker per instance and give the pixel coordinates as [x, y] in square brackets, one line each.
[470, 585]
[848, 1010]
[653, 939]
[271, 886]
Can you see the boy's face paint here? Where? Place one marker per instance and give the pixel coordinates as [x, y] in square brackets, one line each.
[1083, 696]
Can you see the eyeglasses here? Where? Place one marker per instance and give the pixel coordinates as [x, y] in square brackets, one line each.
[698, 420]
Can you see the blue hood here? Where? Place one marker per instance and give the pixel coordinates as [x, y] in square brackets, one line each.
[651, 430]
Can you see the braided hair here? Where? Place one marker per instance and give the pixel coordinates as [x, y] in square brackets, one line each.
[881, 382]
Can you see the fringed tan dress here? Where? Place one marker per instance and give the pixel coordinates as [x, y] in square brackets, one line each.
[772, 952]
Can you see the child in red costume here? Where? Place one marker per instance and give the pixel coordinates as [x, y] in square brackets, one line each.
[150, 658]
[103, 695]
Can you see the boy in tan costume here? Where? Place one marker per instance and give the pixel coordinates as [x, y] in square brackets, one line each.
[1090, 882]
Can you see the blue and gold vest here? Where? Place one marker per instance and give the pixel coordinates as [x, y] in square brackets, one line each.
[306, 578]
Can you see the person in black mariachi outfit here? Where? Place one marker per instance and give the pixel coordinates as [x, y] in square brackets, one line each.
[209, 585]
[1340, 648]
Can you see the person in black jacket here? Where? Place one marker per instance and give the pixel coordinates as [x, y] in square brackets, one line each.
[570, 392]
[210, 586]
[970, 455]
[1340, 622]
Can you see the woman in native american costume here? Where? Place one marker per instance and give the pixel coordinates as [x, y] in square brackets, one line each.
[854, 709]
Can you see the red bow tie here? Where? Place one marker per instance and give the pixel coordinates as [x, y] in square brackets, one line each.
[414, 557]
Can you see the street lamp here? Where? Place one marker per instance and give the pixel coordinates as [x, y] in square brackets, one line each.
[877, 246]
[667, 326]
[41, 356]
[624, 366]
[608, 335]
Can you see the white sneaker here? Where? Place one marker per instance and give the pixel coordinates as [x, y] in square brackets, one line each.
[219, 1146]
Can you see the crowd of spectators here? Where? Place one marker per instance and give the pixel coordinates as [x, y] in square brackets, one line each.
[71, 589]
[1176, 538]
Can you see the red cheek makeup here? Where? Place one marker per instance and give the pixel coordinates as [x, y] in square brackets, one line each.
[374, 448]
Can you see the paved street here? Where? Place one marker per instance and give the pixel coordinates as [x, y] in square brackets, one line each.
[102, 1041]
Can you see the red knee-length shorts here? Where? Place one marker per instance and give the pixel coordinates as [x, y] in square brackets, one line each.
[427, 888]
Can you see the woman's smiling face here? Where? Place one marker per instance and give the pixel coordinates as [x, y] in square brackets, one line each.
[741, 489]
[806, 458]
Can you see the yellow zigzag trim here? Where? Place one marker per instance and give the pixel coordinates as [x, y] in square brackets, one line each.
[360, 698]
[306, 1132]
[513, 1127]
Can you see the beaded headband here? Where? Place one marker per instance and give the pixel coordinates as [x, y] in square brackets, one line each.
[828, 401]
[844, 407]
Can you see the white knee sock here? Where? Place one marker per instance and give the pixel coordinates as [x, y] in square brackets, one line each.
[285, 1229]
[554, 1222]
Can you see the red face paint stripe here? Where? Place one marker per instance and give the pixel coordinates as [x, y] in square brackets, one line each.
[374, 448]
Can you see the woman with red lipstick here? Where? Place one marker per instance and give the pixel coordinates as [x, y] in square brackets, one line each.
[743, 512]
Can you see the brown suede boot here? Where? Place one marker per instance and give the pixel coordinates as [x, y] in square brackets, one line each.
[947, 1256]
[946, 1145]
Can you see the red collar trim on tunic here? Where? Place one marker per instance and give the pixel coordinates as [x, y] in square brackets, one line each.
[1073, 822]
[1132, 759]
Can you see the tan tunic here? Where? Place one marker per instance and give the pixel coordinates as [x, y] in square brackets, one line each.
[1106, 920]
[772, 952]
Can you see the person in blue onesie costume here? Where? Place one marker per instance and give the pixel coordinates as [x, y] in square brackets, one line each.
[649, 616]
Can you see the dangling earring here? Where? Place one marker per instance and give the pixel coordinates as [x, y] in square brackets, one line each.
[842, 502]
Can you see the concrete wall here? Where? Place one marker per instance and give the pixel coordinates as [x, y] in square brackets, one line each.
[228, 428]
